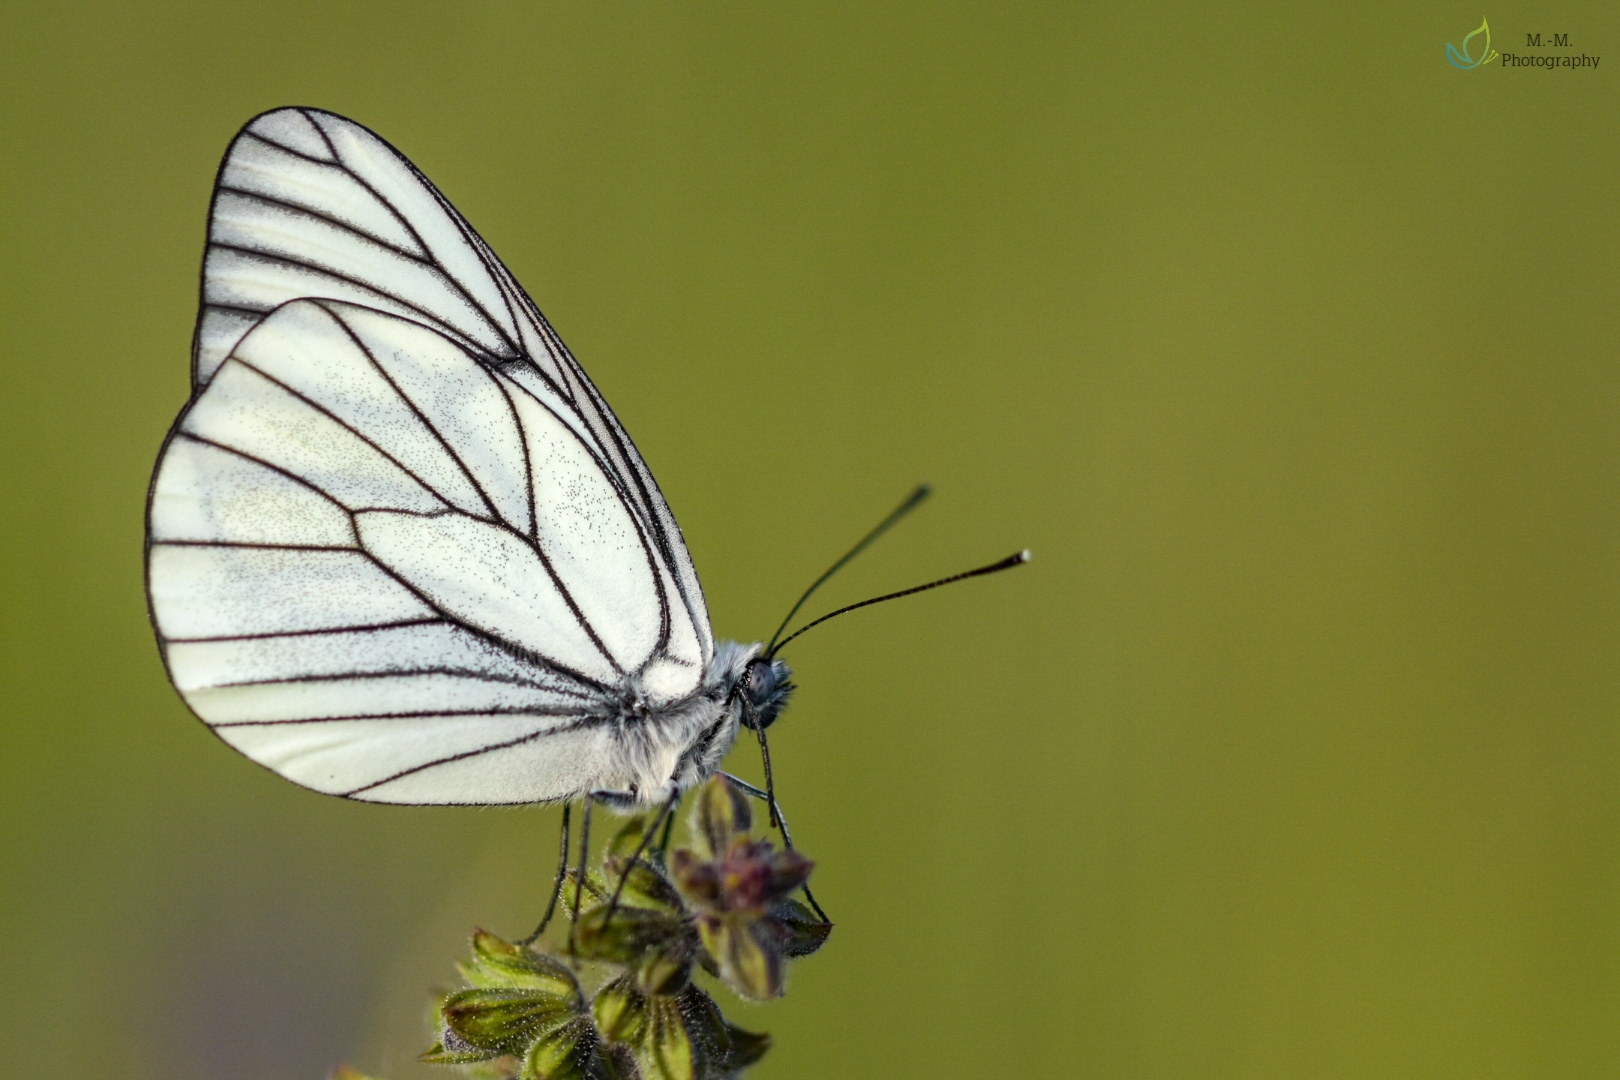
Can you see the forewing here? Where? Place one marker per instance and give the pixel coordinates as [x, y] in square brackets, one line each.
[309, 204]
[377, 566]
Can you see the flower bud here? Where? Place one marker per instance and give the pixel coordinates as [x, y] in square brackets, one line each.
[721, 812]
[566, 1052]
[498, 963]
[452, 1049]
[745, 956]
[644, 885]
[738, 888]
[627, 840]
[698, 879]
[503, 1020]
[659, 948]
[667, 1051]
[800, 931]
[718, 1049]
[595, 889]
[620, 1009]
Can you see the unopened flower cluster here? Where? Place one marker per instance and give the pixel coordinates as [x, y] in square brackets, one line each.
[724, 906]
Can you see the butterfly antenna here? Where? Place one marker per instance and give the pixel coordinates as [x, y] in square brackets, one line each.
[1005, 564]
[922, 492]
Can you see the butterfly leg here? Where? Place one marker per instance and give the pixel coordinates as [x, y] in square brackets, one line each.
[752, 720]
[787, 837]
[556, 887]
[770, 781]
[669, 827]
[579, 883]
[664, 811]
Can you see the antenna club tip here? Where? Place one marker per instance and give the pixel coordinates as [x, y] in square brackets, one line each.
[1024, 556]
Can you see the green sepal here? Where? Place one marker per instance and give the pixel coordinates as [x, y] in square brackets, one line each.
[705, 1026]
[800, 931]
[451, 1050]
[751, 967]
[697, 879]
[644, 885]
[649, 931]
[665, 972]
[720, 813]
[747, 1047]
[678, 1036]
[620, 1009]
[718, 1049]
[505, 1067]
[567, 1052]
[617, 1061]
[627, 839]
[595, 890]
[503, 1020]
[659, 949]
[667, 1051]
[498, 963]
[629, 934]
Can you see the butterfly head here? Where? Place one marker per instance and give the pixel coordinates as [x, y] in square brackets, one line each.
[768, 686]
[749, 684]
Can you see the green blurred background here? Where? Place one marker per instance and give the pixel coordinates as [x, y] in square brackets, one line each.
[1288, 348]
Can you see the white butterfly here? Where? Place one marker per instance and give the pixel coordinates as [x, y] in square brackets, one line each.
[399, 548]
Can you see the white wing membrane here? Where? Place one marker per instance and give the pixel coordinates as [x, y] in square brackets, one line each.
[208, 591]
[316, 357]
[592, 540]
[292, 128]
[569, 755]
[249, 221]
[312, 205]
[246, 502]
[404, 695]
[460, 397]
[359, 758]
[430, 646]
[399, 547]
[259, 168]
[309, 565]
[489, 578]
[448, 238]
[426, 647]
[246, 411]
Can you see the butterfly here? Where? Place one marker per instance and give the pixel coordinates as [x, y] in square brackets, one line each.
[399, 549]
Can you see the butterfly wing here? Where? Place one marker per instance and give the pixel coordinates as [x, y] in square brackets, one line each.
[399, 547]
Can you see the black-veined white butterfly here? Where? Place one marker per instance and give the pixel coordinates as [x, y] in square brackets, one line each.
[399, 547]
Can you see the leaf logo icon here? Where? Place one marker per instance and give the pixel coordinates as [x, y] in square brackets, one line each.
[1461, 58]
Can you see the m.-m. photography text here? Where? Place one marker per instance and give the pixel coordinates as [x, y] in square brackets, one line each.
[1473, 54]
[1548, 61]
